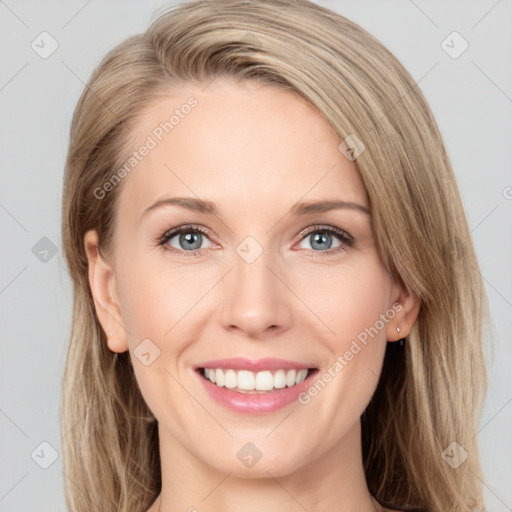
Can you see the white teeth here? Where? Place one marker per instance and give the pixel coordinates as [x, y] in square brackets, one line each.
[230, 379]
[264, 381]
[246, 381]
[290, 378]
[301, 375]
[219, 378]
[280, 379]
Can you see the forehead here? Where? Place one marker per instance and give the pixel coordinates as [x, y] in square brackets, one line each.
[242, 145]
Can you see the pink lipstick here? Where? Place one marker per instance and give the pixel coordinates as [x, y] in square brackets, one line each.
[254, 386]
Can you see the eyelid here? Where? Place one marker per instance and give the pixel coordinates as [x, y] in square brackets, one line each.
[186, 227]
[325, 227]
[171, 233]
[345, 238]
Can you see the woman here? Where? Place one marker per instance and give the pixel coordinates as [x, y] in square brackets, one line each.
[276, 298]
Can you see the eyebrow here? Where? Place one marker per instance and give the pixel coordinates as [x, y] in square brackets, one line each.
[300, 208]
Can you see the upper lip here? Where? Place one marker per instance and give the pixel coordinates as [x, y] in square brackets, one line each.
[240, 363]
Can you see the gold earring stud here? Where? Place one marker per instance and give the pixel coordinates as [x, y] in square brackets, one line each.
[400, 335]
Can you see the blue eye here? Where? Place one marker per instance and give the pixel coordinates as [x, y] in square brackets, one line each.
[321, 238]
[191, 238]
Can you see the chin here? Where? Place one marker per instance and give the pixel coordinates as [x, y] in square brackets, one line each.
[253, 460]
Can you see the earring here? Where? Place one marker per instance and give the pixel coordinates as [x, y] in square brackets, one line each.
[401, 338]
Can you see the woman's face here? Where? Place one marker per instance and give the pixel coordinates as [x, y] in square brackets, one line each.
[269, 285]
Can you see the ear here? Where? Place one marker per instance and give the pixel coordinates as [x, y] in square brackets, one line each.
[103, 287]
[406, 306]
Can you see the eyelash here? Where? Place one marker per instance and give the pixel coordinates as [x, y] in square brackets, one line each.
[345, 238]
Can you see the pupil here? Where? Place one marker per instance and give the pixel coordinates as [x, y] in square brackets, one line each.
[321, 237]
[189, 238]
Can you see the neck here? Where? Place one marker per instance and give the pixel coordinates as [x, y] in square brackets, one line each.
[331, 481]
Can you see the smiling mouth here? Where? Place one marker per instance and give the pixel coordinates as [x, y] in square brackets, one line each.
[262, 382]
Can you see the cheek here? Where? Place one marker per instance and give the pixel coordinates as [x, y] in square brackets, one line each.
[153, 302]
[348, 299]
[354, 305]
[145, 309]
[156, 310]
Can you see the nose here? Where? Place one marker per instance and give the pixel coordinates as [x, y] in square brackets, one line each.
[256, 300]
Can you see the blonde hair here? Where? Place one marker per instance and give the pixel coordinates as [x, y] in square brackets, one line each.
[431, 390]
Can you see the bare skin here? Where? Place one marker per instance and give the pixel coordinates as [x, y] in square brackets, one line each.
[254, 151]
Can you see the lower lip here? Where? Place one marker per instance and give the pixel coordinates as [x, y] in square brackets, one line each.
[249, 403]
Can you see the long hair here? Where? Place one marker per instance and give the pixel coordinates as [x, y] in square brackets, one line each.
[426, 408]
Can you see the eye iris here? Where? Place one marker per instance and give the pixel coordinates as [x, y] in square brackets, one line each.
[192, 239]
[320, 236]
[189, 238]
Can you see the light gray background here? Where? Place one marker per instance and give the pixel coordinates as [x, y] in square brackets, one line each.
[471, 97]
